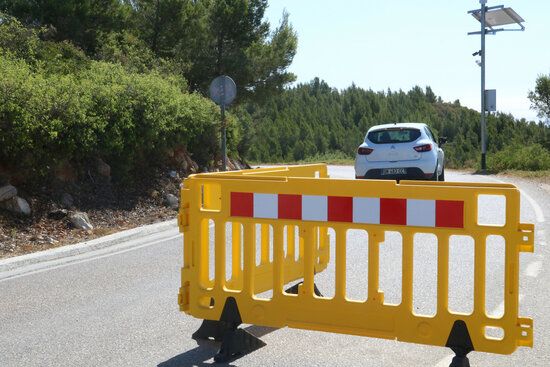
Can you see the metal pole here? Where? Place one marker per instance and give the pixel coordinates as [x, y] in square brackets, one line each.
[483, 127]
[224, 139]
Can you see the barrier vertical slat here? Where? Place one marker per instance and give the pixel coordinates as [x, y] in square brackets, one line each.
[323, 240]
[443, 274]
[278, 255]
[407, 276]
[290, 242]
[340, 271]
[236, 254]
[249, 258]
[203, 253]
[374, 267]
[301, 243]
[479, 274]
[265, 243]
[219, 258]
[309, 244]
[511, 280]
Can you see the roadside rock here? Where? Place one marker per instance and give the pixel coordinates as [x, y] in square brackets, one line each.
[58, 214]
[80, 220]
[65, 172]
[67, 200]
[17, 205]
[230, 164]
[7, 192]
[51, 240]
[172, 201]
[181, 157]
[103, 169]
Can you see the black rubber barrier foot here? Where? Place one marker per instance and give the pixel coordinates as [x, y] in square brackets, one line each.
[460, 361]
[461, 344]
[294, 289]
[211, 329]
[237, 343]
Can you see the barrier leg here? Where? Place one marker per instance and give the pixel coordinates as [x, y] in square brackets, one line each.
[460, 343]
[235, 342]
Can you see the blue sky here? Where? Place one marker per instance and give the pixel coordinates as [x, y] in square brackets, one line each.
[399, 44]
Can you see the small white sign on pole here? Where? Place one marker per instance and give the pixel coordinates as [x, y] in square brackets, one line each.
[490, 100]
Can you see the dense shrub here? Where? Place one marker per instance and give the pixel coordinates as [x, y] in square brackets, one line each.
[531, 157]
[128, 119]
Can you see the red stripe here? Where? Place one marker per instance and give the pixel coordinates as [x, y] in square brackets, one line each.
[449, 214]
[290, 206]
[242, 204]
[393, 211]
[340, 209]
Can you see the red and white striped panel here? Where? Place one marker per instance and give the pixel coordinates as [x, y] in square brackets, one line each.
[407, 212]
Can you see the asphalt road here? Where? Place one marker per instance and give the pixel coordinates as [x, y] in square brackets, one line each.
[118, 306]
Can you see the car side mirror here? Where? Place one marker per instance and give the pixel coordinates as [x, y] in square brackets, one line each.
[442, 140]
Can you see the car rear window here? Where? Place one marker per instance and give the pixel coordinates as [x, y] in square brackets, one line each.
[393, 135]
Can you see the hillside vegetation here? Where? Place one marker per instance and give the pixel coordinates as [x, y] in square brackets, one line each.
[127, 86]
[314, 119]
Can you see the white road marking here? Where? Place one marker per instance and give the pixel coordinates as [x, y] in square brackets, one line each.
[533, 269]
[538, 210]
[68, 262]
[539, 214]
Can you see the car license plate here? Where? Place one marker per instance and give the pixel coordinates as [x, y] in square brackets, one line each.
[394, 171]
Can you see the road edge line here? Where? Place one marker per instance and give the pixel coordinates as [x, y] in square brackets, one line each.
[15, 262]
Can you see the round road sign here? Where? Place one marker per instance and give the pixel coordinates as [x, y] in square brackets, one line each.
[223, 90]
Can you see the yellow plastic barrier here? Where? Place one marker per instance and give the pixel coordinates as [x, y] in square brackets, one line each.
[225, 215]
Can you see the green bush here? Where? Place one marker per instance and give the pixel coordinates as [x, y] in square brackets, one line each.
[128, 119]
[533, 157]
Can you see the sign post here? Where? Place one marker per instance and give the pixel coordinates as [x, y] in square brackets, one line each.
[490, 17]
[223, 91]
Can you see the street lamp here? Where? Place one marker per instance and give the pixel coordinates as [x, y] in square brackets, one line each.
[491, 17]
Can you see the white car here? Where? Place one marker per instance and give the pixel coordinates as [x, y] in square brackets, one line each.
[401, 151]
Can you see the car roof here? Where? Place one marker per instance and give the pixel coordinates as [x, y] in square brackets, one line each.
[414, 125]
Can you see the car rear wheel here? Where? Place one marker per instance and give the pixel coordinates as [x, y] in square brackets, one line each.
[435, 176]
[442, 175]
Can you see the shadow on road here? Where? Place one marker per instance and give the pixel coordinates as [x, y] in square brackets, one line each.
[207, 349]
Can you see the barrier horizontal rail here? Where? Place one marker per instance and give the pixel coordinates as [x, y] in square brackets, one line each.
[274, 222]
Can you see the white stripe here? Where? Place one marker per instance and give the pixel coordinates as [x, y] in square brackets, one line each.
[421, 213]
[533, 269]
[538, 210]
[314, 207]
[265, 206]
[539, 214]
[366, 210]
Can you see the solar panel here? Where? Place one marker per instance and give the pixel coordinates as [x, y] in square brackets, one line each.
[499, 17]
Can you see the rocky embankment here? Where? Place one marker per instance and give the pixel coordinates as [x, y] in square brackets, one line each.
[72, 209]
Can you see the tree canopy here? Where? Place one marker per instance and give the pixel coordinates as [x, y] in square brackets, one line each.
[540, 97]
[198, 39]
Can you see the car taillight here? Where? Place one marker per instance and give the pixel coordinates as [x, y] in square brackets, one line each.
[364, 151]
[423, 148]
